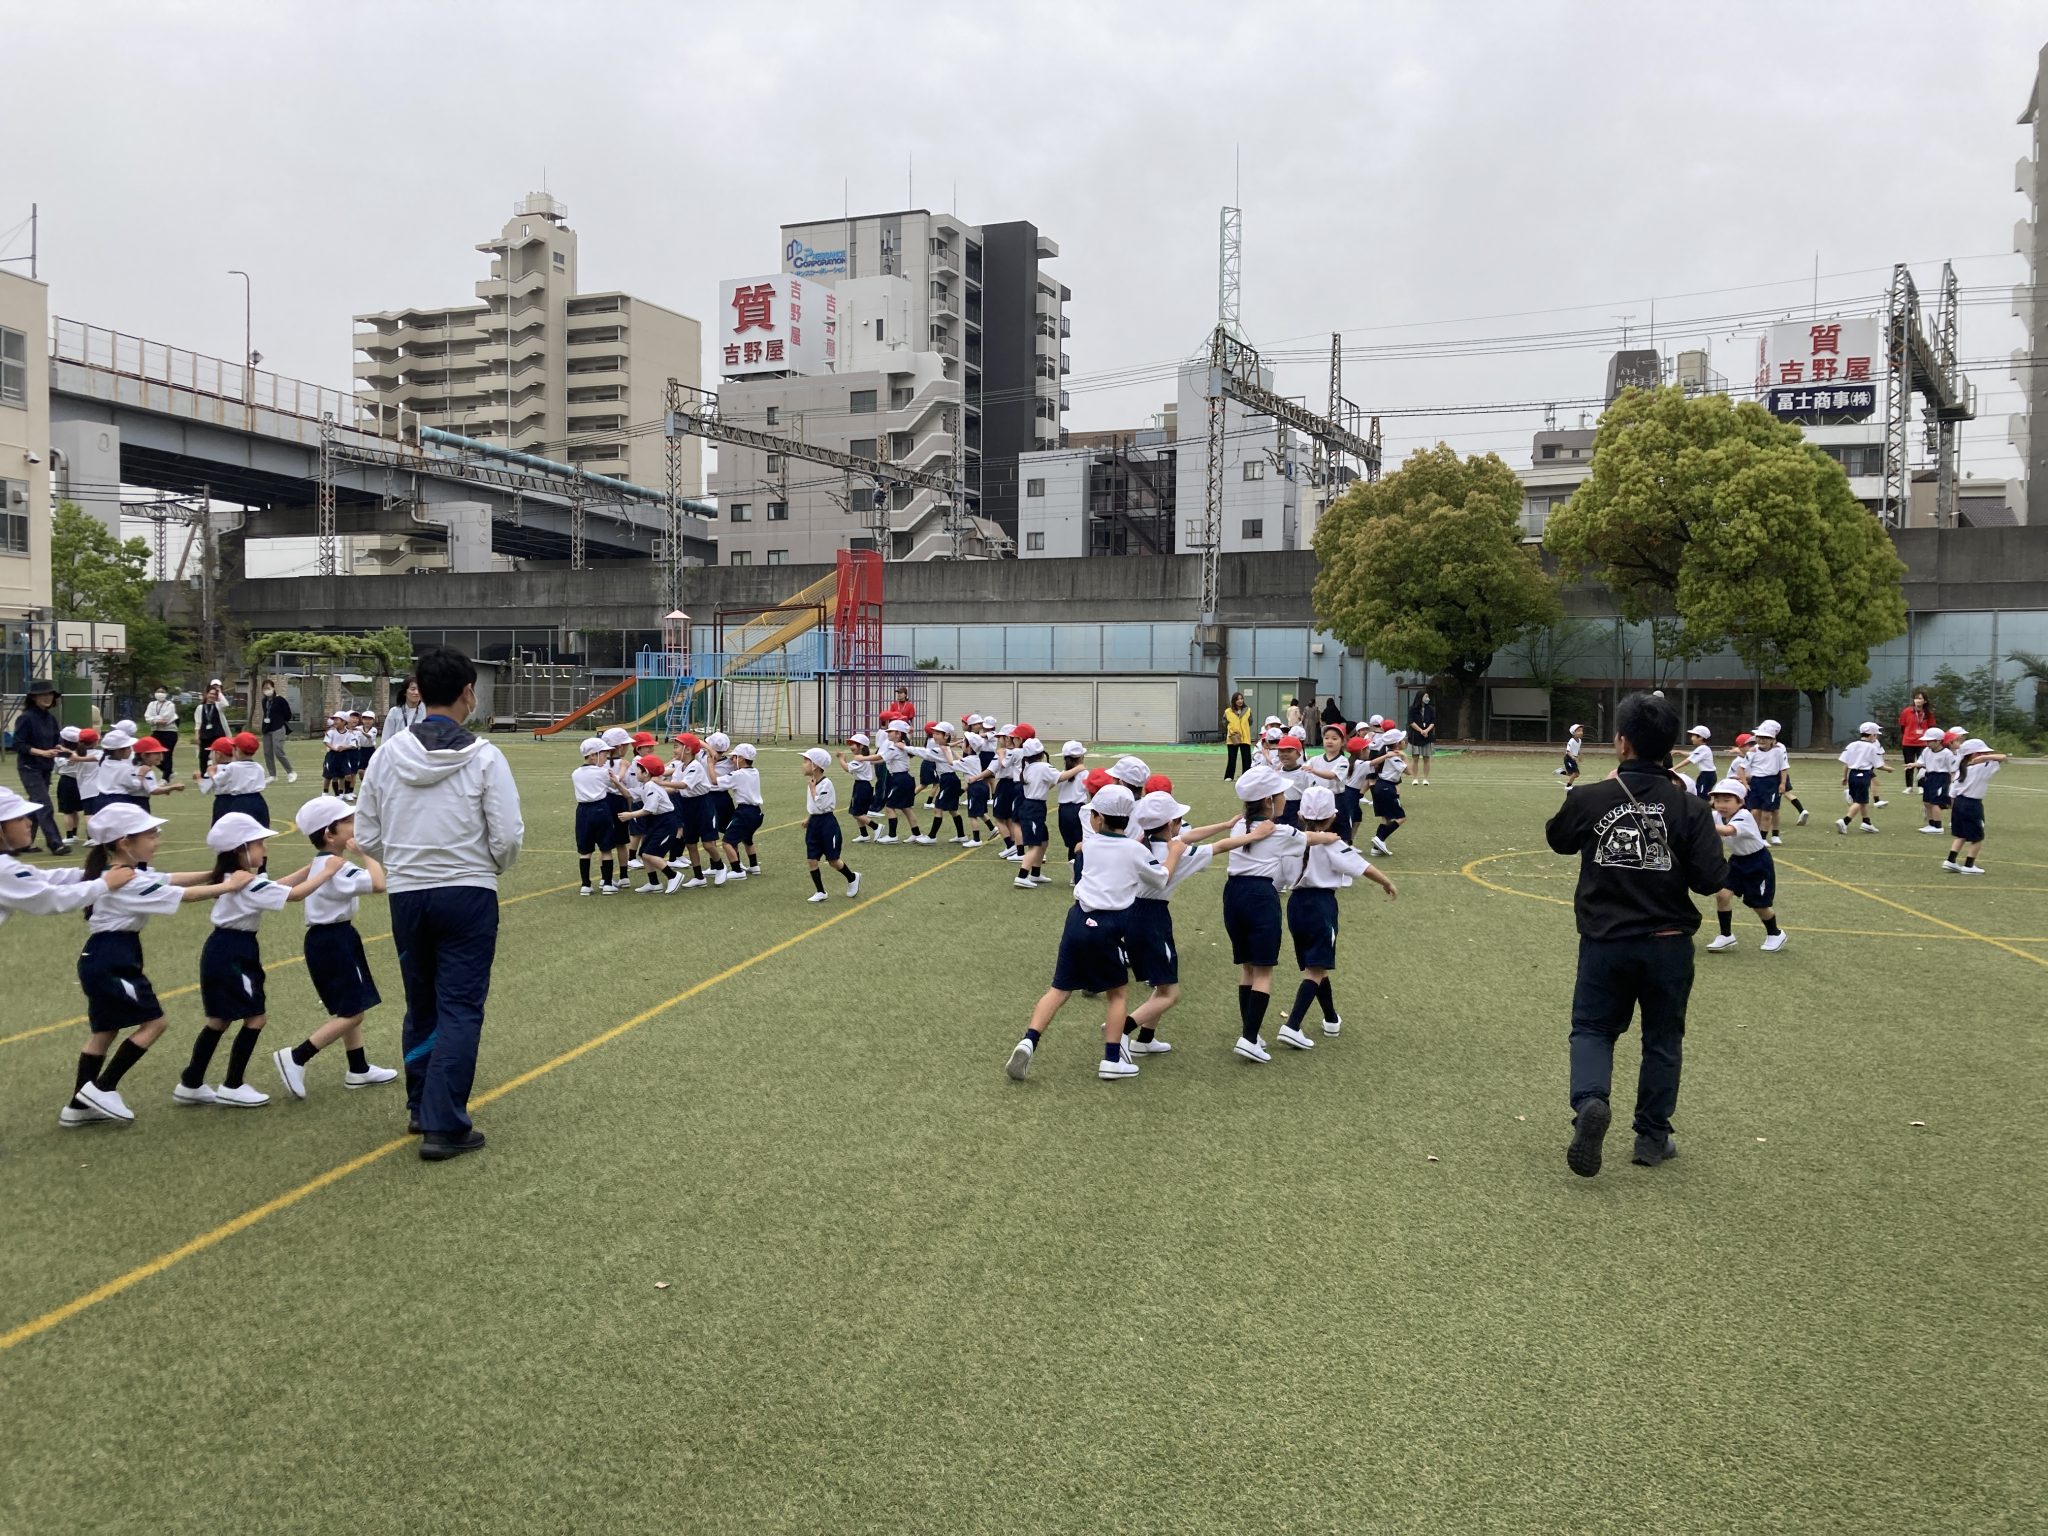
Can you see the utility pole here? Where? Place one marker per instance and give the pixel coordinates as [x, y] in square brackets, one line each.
[323, 499]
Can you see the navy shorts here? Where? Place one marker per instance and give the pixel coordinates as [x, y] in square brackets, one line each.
[340, 970]
[1312, 922]
[1251, 916]
[1007, 791]
[1091, 957]
[1070, 826]
[1754, 878]
[741, 826]
[1031, 822]
[977, 798]
[1571, 764]
[902, 793]
[1934, 789]
[1349, 804]
[1859, 786]
[67, 796]
[691, 815]
[657, 833]
[863, 796]
[821, 837]
[1386, 801]
[249, 805]
[231, 975]
[1148, 942]
[927, 771]
[117, 994]
[594, 822]
[949, 793]
[1763, 793]
[1966, 819]
[1704, 784]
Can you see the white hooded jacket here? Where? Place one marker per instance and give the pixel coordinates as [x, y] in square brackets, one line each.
[438, 808]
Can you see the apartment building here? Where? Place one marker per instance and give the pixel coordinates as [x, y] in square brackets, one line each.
[536, 363]
[24, 454]
[2027, 428]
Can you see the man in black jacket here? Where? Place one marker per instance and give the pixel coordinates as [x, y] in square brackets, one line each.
[1646, 846]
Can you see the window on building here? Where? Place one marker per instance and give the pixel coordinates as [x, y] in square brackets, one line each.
[862, 447]
[742, 557]
[774, 415]
[861, 402]
[1550, 450]
[1034, 541]
[778, 511]
[899, 397]
[1254, 528]
[1255, 469]
[878, 330]
[774, 463]
[13, 367]
[13, 517]
[741, 512]
[778, 557]
[561, 262]
[1858, 458]
[1034, 487]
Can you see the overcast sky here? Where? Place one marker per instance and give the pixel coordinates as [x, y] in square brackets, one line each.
[1420, 173]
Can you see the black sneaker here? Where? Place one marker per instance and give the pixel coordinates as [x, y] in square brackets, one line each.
[1582, 1156]
[1649, 1154]
[438, 1149]
[412, 1125]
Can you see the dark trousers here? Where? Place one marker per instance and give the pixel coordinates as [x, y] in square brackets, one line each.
[170, 741]
[1238, 758]
[1617, 976]
[35, 788]
[446, 941]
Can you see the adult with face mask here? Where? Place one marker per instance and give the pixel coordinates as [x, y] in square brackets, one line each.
[210, 720]
[1421, 735]
[274, 720]
[161, 716]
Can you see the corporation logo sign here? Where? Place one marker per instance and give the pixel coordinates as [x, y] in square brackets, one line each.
[801, 259]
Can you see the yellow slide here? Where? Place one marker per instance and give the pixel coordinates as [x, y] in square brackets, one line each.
[825, 590]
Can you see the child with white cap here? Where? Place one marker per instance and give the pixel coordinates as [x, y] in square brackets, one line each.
[113, 781]
[1388, 768]
[231, 964]
[1005, 771]
[593, 783]
[688, 783]
[1072, 795]
[28, 889]
[940, 757]
[1862, 760]
[899, 794]
[1975, 764]
[1035, 780]
[979, 751]
[1701, 760]
[334, 760]
[1326, 869]
[821, 826]
[1574, 744]
[1251, 902]
[78, 759]
[118, 995]
[1937, 765]
[335, 959]
[653, 821]
[1752, 873]
[1768, 764]
[741, 781]
[860, 765]
[1091, 954]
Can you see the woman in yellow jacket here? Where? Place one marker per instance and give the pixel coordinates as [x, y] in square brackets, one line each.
[1237, 737]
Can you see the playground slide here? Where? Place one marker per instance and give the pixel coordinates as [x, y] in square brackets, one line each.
[577, 714]
[820, 591]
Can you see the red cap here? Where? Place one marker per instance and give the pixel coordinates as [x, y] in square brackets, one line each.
[650, 764]
[1159, 781]
[644, 739]
[691, 740]
[965, 719]
[88, 737]
[1289, 741]
[1744, 739]
[930, 726]
[1098, 778]
[147, 744]
[224, 744]
[1355, 744]
[246, 742]
[1026, 732]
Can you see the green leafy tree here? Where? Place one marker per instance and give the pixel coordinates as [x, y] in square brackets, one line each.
[102, 579]
[1425, 571]
[1722, 525]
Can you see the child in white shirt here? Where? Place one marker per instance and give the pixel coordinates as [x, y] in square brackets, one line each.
[1862, 760]
[1976, 764]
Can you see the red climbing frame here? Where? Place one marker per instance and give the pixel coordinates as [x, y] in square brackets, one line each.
[863, 688]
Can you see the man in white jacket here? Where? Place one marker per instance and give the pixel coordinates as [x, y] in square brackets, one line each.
[439, 810]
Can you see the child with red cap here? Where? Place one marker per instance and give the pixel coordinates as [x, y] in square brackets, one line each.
[653, 818]
[689, 787]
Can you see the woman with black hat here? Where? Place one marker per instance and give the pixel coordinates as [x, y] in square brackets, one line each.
[37, 749]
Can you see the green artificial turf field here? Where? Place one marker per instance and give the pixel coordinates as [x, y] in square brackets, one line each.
[765, 1240]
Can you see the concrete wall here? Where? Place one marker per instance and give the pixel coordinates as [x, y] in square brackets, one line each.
[25, 430]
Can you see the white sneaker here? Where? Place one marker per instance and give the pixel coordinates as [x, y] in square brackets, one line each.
[1952, 866]
[109, 1103]
[695, 882]
[1147, 1047]
[755, 871]
[1878, 805]
[200, 1095]
[737, 874]
[72, 1116]
[1802, 818]
[675, 883]
[369, 1077]
[585, 891]
[1773, 942]
[1289, 1035]
[633, 864]
[291, 1073]
[882, 837]
[1110, 1071]
[1777, 839]
[1378, 846]
[974, 842]
[652, 888]
[853, 886]
[243, 1097]
[1025, 882]
[291, 777]
[607, 890]
[1020, 1059]
[815, 896]
[1721, 941]
[1868, 827]
[1842, 826]
[924, 837]
[718, 877]
[1933, 829]
[1252, 1050]
[1336, 1026]
[863, 837]
[1971, 869]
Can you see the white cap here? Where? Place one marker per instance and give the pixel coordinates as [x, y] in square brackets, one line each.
[744, 751]
[1276, 720]
[1577, 726]
[717, 741]
[320, 813]
[114, 741]
[858, 739]
[1034, 748]
[1867, 728]
[235, 829]
[1395, 737]
[1700, 731]
[898, 725]
[943, 725]
[129, 727]
[1376, 720]
[119, 821]
[1258, 782]
[1769, 728]
[13, 807]
[1318, 803]
[1130, 770]
[593, 744]
[1159, 808]
[1113, 800]
[818, 757]
[1974, 744]
[1007, 730]
[1271, 733]
[1932, 734]
[213, 682]
[1074, 749]
[618, 736]
[69, 733]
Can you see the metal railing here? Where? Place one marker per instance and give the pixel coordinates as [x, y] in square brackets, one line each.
[154, 362]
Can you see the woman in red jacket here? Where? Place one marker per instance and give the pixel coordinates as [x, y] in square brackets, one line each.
[1915, 720]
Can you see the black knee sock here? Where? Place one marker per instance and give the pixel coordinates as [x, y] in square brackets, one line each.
[1304, 995]
[892, 826]
[605, 868]
[126, 1054]
[1970, 862]
[305, 1051]
[1771, 926]
[1388, 830]
[1328, 998]
[202, 1053]
[959, 827]
[1795, 803]
[753, 859]
[583, 869]
[88, 1069]
[1251, 1010]
[1146, 1035]
[848, 874]
[239, 1052]
[358, 1058]
[818, 880]
[1727, 922]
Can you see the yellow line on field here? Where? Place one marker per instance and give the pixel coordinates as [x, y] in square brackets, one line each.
[1470, 872]
[1925, 917]
[249, 1218]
